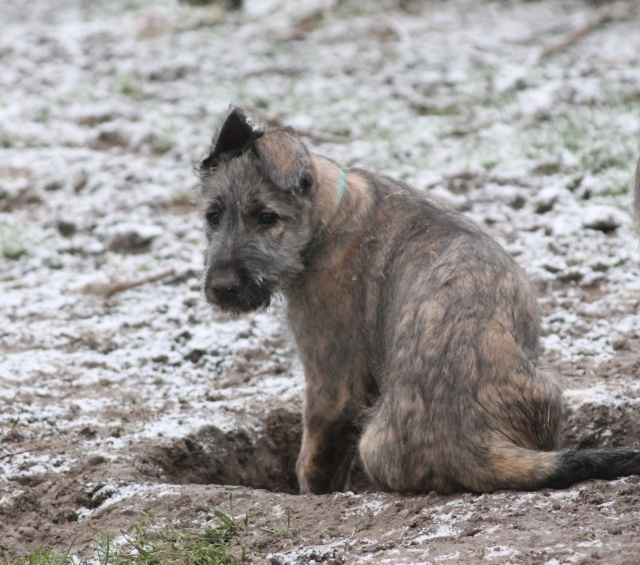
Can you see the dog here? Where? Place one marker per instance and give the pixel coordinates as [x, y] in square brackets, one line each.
[418, 333]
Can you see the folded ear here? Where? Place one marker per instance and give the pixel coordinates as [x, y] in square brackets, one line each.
[235, 136]
[284, 159]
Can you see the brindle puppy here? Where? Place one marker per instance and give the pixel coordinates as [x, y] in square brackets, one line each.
[418, 333]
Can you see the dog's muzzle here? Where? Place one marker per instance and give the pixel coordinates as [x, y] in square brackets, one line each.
[234, 292]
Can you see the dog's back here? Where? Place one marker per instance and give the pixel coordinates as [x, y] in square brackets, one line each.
[456, 342]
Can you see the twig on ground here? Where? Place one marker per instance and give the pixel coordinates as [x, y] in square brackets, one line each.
[323, 137]
[12, 453]
[600, 17]
[276, 122]
[108, 290]
[122, 286]
[34, 447]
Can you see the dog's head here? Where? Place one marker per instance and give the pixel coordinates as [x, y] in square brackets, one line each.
[257, 192]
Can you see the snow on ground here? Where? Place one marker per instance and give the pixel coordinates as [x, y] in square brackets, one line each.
[104, 108]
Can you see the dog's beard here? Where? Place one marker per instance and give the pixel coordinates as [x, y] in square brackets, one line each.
[250, 295]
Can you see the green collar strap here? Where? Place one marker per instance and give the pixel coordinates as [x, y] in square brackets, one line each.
[323, 231]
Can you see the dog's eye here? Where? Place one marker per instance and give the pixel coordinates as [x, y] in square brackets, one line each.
[213, 218]
[267, 218]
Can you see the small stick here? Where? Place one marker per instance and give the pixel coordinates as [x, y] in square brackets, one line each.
[276, 122]
[601, 17]
[7, 455]
[35, 447]
[115, 288]
[323, 137]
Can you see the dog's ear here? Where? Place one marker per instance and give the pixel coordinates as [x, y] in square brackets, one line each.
[284, 159]
[235, 136]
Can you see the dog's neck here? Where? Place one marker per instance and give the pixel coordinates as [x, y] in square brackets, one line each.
[323, 232]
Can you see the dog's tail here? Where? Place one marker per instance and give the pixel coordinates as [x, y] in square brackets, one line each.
[607, 464]
[517, 467]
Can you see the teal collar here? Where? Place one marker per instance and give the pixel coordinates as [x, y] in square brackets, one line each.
[323, 231]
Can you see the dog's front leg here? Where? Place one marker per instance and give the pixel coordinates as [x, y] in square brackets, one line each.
[328, 443]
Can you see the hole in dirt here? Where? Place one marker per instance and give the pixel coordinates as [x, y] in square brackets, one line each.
[237, 457]
[602, 425]
[211, 456]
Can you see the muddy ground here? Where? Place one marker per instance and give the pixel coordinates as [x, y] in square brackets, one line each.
[125, 398]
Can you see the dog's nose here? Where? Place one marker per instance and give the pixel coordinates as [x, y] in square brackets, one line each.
[225, 282]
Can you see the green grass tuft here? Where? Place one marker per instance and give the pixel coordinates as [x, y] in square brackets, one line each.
[144, 545]
[211, 545]
[43, 556]
[12, 244]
